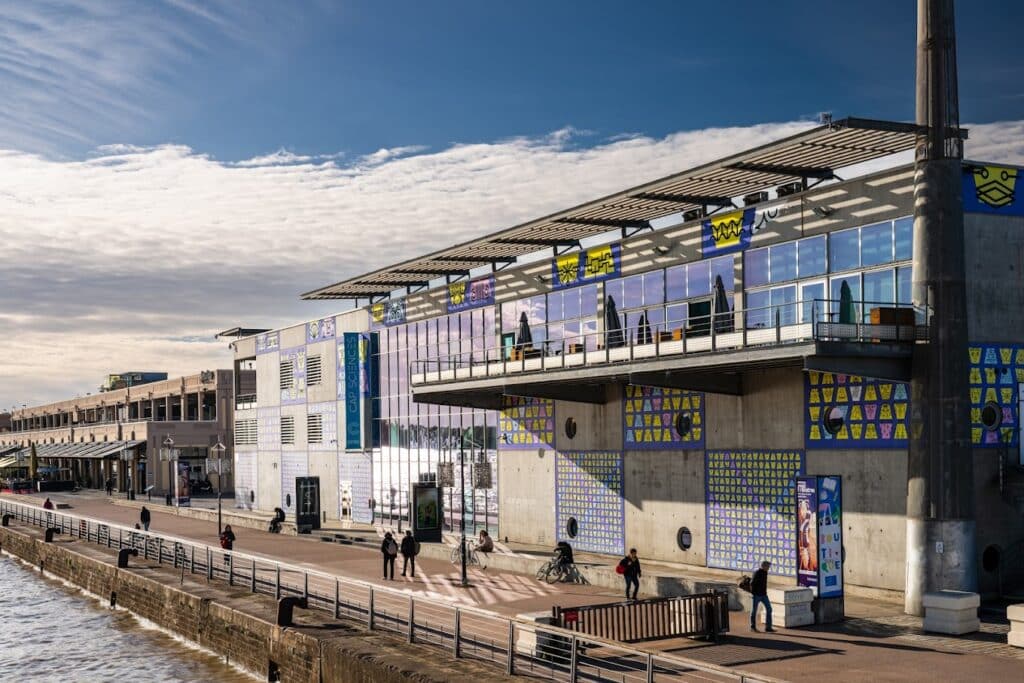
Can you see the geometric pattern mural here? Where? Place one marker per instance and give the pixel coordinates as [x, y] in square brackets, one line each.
[875, 413]
[750, 509]
[526, 423]
[995, 371]
[589, 489]
[650, 418]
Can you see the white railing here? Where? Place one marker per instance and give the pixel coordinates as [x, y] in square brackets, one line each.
[790, 323]
[521, 648]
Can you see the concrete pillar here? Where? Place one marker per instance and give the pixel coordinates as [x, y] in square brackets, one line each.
[940, 486]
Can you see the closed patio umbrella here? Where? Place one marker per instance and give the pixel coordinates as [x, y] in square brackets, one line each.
[723, 314]
[614, 338]
[524, 338]
[847, 311]
[643, 330]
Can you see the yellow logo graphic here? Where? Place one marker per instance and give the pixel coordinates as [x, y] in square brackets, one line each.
[600, 262]
[568, 268]
[727, 230]
[457, 293]
[995, 185]
[377, 312]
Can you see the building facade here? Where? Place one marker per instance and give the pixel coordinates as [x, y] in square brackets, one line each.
[662, 386]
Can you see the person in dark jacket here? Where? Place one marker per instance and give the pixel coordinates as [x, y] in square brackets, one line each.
[227, 541]
[389, 549]
[408, 553]
[631, 572]
[144, 518]
[759, 591]
[564, 552]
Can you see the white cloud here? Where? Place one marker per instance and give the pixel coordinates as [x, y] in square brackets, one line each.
[125, 260]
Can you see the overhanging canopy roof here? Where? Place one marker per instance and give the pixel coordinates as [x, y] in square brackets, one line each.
[97, 449]
[815, 153]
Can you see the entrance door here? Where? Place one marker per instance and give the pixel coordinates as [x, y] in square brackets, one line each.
[345, 496]
[307, 508]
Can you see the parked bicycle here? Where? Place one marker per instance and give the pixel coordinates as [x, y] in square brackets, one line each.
[473, 556]
[557, 571]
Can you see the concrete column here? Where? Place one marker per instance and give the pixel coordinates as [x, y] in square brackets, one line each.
[940, 488]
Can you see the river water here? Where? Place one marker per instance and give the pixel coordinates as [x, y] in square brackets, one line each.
[52, 632]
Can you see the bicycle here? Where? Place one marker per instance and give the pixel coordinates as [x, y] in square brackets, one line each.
[554, 571]
[473, 556]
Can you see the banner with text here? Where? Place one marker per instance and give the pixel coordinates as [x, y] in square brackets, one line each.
[463, 296]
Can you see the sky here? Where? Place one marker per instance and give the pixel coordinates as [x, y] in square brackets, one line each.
[172, 168]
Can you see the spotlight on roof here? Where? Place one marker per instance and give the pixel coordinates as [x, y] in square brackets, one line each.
[755, 198]
[692, 215]
[663, 249]
[795, 187]
[541, 279]
[823, 211]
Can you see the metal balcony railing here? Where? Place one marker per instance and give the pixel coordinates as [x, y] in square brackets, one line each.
[733, 330]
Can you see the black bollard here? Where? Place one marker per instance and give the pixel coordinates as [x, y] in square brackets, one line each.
[6, 520]
[285, 607]
[122, 557]
[48, 534]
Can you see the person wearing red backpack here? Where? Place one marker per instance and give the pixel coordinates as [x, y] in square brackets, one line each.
[629, 568]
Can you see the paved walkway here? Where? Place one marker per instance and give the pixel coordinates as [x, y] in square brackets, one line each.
[875, 643]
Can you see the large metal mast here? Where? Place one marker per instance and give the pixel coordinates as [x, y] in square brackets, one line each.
[940, 487]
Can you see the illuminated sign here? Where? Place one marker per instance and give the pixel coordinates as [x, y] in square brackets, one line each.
[727, 232]
[463, 296]
[991, 189]
[391, 312]
[584, 267]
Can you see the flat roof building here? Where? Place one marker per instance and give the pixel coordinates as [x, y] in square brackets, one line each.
[685, 352]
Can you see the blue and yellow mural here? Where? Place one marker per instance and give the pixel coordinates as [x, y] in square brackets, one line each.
[589, 490]
[584, 267]
[991, 189]
[526, 423]
[845, 411]
[654, 417]
[751, 509]
[462, 296]
[726, 233]
[388, 313]
[995, 372]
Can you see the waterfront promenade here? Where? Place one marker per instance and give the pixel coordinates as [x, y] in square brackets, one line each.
[877, 643]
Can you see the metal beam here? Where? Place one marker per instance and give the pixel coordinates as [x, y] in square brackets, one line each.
[891, 369]
[698, 199]
[596, 394]
[779, 169]
[604, 222]
[485, 400]
[432, 271]
[711, 383]
[539, 242]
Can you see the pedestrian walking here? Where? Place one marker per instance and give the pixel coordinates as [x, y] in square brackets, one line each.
[144, 517]
[629, 567]
[110, 487]
[48, 505]
[389, 549]
[409, 552]
[227, 541]
[759, 591]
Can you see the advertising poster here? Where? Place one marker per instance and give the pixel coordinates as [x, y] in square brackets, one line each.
[427, 508]
[463, 296]
[584, 267]
[727, 232]
[807, 533]
[181, 487]
[830, 536]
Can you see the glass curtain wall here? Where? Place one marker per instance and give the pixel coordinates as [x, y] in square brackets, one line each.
[416, 437]
[556, 320]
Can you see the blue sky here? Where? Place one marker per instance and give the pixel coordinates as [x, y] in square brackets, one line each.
[171, 168]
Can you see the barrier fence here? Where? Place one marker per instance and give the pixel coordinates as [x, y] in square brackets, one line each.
[685, 616]
[518, 647]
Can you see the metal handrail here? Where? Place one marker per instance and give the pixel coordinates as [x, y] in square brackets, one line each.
[717, 330]
[464, 630]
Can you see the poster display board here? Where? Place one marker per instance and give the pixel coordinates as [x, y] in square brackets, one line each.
[819, 535]
[181, 485]
[426, 512]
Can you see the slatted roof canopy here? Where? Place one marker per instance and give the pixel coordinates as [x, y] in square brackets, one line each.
[813, 154]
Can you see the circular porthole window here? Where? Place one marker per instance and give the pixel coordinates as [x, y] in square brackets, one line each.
[287, 500]
[834, 419]
[684, 539]
[990, 559]
[570, 428]
[572, 527]
[991, 416]
[683, 424]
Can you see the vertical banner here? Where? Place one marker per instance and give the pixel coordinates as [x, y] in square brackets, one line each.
[830, 536]
[727, 233]
[353, 396]
[807, 532]
[181, 485]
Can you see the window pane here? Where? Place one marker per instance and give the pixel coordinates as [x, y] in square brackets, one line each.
[675, 283]
[903, 276]
[613, 289]
[879, 289]
[654, 288]
[676, 317]
[755, 267]
[698, 279]
[758, 313]
[813, 305]
[555, 306]
[783, 300]
[844, 250]
[811, 255]
[723, 267]
[570, 304]
[588, 301]
[836, 292]
[782, 258]
[632, 292]
[904, 238]
[876, 244]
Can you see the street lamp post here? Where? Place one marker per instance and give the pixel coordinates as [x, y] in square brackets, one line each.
[126, 465]
[167, 453]
[462, 507]
[218, 464]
